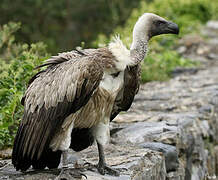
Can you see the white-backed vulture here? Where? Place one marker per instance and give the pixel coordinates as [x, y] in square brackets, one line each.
[71, 103]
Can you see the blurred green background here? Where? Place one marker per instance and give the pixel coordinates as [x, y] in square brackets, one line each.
[32, 30]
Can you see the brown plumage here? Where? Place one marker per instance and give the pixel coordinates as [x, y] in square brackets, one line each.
[63, 88]
[71, 102]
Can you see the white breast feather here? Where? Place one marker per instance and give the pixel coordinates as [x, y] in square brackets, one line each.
[112, 85]
[121, 53]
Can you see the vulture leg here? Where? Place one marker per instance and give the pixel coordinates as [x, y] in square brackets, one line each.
[64, 159]
[102, 167]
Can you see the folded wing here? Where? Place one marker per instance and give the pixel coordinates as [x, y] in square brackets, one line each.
[126, 95]
[52, 95]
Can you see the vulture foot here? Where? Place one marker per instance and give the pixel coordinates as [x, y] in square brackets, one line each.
[102, 169]
[70, 174]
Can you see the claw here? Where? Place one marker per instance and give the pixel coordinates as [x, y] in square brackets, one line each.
[108, 170]
[84, 175]
[90, 167]
[70, 173]
[102, 169]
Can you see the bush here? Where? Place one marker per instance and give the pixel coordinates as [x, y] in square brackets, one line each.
[62, 25]
[17, 62]
[158, 67]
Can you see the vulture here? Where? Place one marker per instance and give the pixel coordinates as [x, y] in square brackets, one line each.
[72, 100]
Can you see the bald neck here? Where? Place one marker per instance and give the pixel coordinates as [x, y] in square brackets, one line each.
[147, 26]
[139, 44]
[138, 49]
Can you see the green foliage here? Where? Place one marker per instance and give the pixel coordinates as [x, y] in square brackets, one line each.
[6, 33]
[17, 62]
[158, 67]
[7, 40]
[63, 25]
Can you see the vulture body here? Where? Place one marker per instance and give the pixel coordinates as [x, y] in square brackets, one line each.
[71, 103]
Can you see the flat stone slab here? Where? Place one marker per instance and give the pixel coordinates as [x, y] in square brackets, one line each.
[128, 159]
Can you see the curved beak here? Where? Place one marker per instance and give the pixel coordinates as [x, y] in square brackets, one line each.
[171, 28]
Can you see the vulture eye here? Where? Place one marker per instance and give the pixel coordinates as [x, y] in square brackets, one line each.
[158, 23]
[114, 75]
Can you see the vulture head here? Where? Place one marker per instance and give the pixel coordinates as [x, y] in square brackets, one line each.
[150, 25]
[147, 26]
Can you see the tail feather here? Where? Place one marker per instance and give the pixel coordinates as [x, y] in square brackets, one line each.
[23, 161]
[19, 160]
[48, 159]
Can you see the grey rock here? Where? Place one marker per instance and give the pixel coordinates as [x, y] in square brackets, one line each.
[135, 164]
[178, 71]
[205, 109]
[141, 132]
[160, 96]
[212, 25]
[213, 56]
[176, 175]
[182, 49]
[214, 100]
[170, 153]
[156, 105]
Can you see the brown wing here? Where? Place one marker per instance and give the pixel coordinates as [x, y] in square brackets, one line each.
[55, 60]
[66, 56]
[53, 95]
[126, 95]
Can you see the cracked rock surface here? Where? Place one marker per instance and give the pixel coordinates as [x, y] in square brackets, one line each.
[171, 130]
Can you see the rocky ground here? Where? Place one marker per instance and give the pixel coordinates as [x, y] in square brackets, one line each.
[171, 130]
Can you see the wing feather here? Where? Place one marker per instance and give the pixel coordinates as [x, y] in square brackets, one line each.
[126, 95]
[53, 94]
